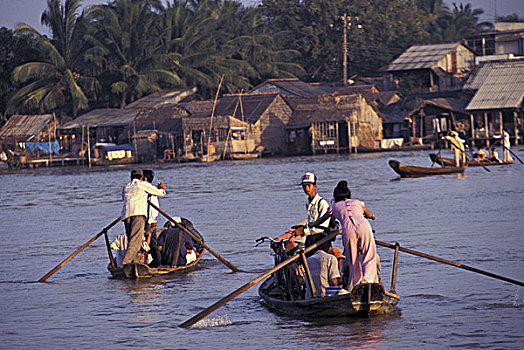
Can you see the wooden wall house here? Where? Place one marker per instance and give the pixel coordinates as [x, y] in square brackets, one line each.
[333, 124]
[497, 101]
[430, 68]
[419, 119]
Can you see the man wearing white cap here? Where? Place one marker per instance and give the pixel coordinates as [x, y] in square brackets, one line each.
[316, 206]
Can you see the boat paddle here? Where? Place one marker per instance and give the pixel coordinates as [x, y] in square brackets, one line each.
[513, 154]
[251, 283]
[183, 228]
[452, 263]
[59, 266]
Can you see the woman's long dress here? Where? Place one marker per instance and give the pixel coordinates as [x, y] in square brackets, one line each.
[357, 237]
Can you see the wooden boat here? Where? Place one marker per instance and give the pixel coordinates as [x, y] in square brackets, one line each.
[451, 162]
[141, 270]
[366, 299]
[405, 170]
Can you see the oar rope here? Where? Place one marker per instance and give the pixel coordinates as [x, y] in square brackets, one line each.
[251, 283]
[452, 263]
[198, 239]
[59, 266]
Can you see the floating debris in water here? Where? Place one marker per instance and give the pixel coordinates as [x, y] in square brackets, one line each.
[217, 321]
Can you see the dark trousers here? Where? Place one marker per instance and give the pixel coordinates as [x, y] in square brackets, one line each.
[135, 234]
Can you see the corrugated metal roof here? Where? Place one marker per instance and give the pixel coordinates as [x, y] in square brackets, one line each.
[103, 117]
[24, 126]
[481, 72]
[421, 57]
[289, 87]
[502, 88]
[253, 106]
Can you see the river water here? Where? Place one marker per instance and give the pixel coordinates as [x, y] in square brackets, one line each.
[475, 219]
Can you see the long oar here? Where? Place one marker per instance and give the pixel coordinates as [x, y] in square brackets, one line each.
[59, 266]
[514, 155]
[251, 283]
[198, 239]
[452, 263]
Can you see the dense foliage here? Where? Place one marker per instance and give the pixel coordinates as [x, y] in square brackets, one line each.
[113, 53]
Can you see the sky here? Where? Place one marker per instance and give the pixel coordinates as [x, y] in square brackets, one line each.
[13, 12]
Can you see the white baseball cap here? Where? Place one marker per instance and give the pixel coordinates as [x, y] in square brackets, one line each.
[308, 178]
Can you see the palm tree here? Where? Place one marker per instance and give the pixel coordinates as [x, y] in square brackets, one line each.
[128, 49]
[58, 78]
[462, 22]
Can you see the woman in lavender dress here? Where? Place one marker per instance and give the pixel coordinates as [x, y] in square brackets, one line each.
[357, 237]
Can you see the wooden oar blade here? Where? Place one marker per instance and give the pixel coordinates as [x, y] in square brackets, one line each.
[452, 263]
[70, 257]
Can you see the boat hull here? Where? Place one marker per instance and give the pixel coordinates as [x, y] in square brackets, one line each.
[360, 302]
[137, 270]
[451, 162]
[144, 271]
[405, 170]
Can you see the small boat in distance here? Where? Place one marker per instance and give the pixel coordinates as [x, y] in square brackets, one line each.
[451, 162]
[406, 170]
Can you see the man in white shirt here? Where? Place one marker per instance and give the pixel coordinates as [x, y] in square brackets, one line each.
[458, 146]
[324, 271]
[134, 212]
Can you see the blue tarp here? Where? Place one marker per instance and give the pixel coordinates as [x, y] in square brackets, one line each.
[43, 147]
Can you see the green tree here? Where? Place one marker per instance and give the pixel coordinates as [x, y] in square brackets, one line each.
[15, 49]
[49, 84]
[128, 49]
[379, 31]
[510, 18]
[461, 22]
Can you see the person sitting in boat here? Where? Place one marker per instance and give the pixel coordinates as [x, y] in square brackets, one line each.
[494, 155]
[480, 155]
[168, 243]
[119, 246]
[316, 207]
[151, 219]
[337, 253]
[324, 271]
[362, 261]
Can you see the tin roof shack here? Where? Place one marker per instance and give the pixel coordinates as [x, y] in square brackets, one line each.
[498, 100]
[26, 137]
[106, 126]
[333, 124]
[429, 68]
[228, 132]
[287, 87]
[422, 117]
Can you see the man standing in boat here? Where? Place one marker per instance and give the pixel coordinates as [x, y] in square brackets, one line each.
[458, 146]
[134, 211]
[506, 144]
